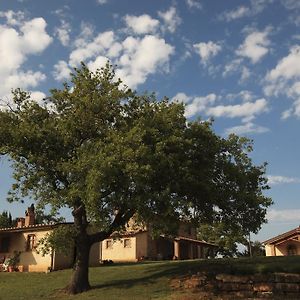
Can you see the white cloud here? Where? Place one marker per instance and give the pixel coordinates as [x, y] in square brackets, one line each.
[245, 95]
[288, 67]
[13, 18]
[98, 63]
[142, 57]
[207, 50]
[245, 74]
[63, 33]
[232, 67]
[181, 97]
[277, 179]
[170, 18]
[237, 13]
[236, 67]
[24, 79]
[194, 4]
[136, 58]
[247, 128]
[294, 8]
[35, 39]
[286, 114]
[17, 43]
[195, 105]
[85, 36]
[284, 215]
[255, 46]
[244, 110]
[141, 24]
[256, 7]
[102, 2]
[61, 71]
[101, 43]
[247, 110]
[291, 4]
[38, 96]
[199, 104]
[284, 79]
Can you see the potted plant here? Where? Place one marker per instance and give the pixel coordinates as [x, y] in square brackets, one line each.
[13, 261]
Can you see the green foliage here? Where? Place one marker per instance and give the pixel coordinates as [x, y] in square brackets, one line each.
[227, 237]
[14, 260]
[46, 218]
[257, 249]
[6, 220]
[107, 153]
[60, 239]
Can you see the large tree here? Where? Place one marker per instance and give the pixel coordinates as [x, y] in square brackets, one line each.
[107, 153]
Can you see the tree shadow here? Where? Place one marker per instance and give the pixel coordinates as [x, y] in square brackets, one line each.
[152, 274]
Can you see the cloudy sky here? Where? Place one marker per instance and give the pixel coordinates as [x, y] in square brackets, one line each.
[235, 61]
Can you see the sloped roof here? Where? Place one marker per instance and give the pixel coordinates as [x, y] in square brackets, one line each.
[177, 238]
[37, 227]
[283, 236]
[182, 238]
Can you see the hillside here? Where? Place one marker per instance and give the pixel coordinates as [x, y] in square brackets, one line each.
[149, 280]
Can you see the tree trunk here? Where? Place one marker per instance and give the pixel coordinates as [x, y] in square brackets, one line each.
[80, 277]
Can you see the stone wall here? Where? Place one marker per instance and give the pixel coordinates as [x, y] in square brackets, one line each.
[271, 286]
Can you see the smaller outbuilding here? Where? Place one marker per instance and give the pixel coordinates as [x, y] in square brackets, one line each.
[285, 244]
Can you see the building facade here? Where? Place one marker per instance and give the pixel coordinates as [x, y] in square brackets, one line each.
[139, 245]
[285, 244]
[24, 238]
[135, 244]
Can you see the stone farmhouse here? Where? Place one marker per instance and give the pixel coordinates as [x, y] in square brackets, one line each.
[285, 244]
[137, 244]
[132, 245]
[24, 238]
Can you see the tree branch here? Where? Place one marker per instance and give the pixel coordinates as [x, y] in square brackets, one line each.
[121, 218]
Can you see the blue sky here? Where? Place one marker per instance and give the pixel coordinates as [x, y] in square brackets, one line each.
[235, 61]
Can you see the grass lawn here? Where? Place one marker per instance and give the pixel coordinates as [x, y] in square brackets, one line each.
[149, 280]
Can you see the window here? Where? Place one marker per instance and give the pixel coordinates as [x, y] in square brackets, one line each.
[109, 244]
[30, 243]
[127, 243]
[291, 250]
[4, 244]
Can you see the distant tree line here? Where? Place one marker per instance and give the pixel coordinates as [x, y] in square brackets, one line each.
[6, 220]
[228, 238]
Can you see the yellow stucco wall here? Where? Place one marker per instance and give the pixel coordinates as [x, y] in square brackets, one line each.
[30, 260]
[269, 250]
[62, 261]
[282, 249]
[95, 255]
[33, 261]
[117, 252]
[142, 245]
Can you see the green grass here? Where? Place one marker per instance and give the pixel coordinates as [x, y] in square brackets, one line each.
[149, 280]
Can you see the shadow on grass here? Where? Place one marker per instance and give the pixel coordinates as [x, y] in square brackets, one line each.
[156, 271]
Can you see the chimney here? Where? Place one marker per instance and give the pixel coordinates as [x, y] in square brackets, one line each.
[30, 216]
[20, 222]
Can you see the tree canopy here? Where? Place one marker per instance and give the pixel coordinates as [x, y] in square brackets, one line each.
[107, 153]
[6, 220]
